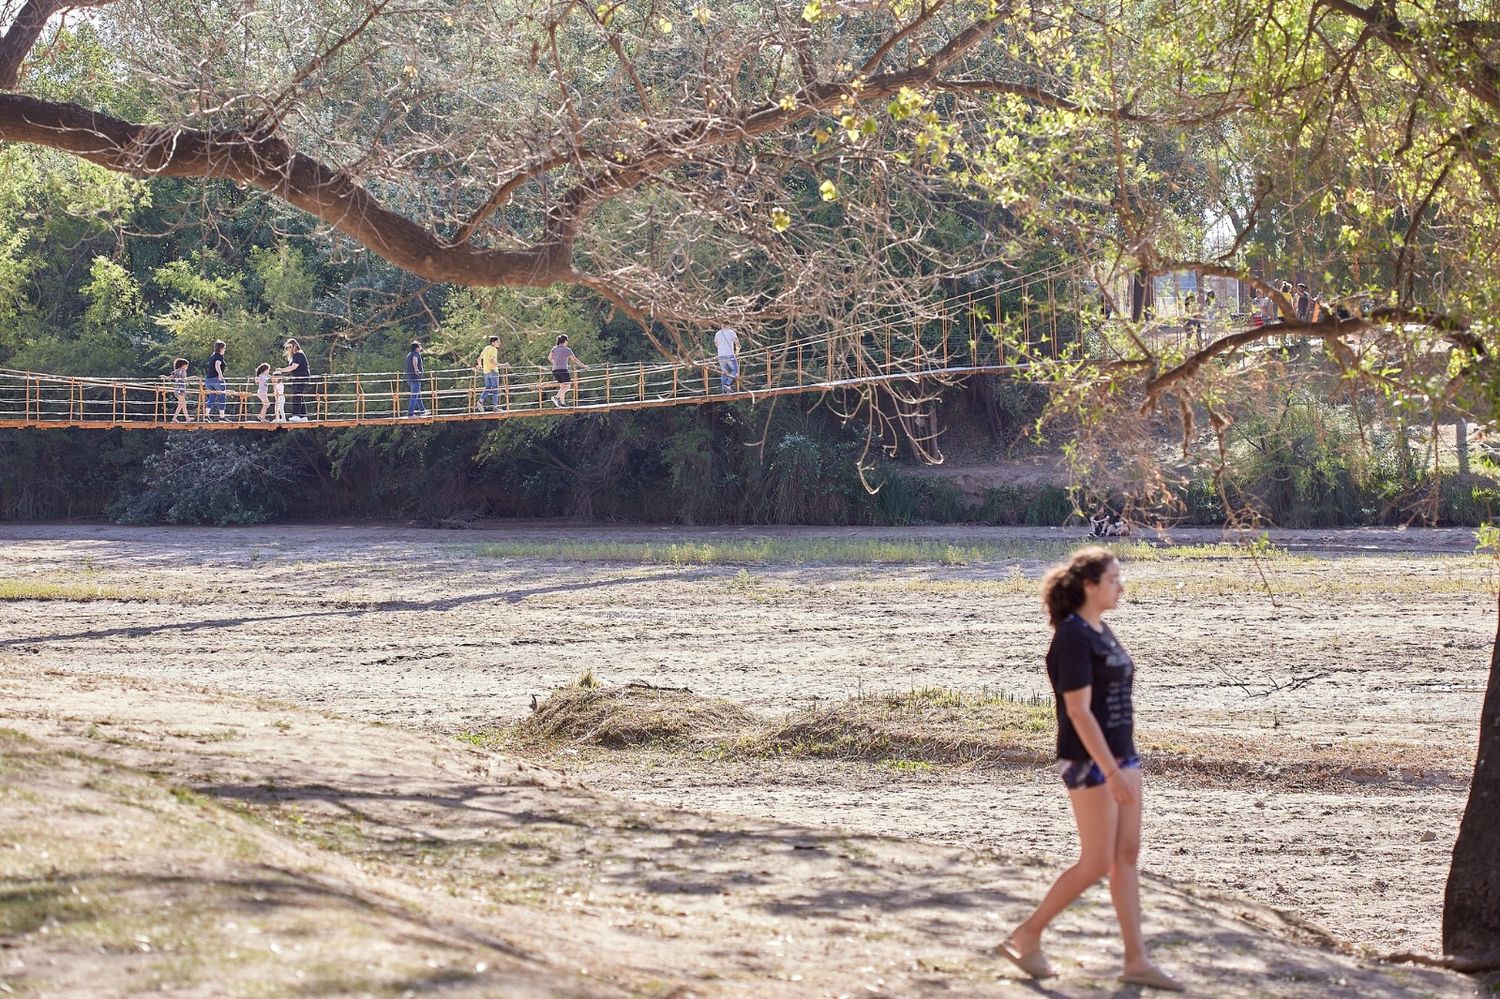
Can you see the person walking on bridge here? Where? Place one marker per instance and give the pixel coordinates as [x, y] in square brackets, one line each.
[414, 404]
[300, 371]
[488, 366]
[727, 342]
[180, 389]
[214, 382]
[563, 360]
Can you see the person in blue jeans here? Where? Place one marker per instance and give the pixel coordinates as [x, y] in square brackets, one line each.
[488, 365]
[214, 382]
[414, 406]
[727, 344]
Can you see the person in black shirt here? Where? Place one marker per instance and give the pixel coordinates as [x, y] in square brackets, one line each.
[300, 371]
[414, 406]
[1092, 677]
[214, 383]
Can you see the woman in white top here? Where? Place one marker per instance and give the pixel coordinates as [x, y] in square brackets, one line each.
[561, 358]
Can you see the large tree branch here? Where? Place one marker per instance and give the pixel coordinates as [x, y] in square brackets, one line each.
[269, 163]
[25, 29]
[1482, 82]
[1330, 329]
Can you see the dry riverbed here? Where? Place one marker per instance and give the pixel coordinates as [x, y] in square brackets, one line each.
[1312, 709]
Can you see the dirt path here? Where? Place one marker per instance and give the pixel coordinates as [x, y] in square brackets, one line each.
[158, 838]
[1376, 647]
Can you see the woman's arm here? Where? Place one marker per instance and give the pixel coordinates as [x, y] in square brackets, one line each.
[1076, 703]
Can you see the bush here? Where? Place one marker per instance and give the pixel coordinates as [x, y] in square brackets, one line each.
[209, 478]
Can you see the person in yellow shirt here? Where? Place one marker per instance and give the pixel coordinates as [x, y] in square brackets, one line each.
[488, 365]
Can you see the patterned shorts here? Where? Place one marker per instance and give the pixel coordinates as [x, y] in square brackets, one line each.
[1079, 774]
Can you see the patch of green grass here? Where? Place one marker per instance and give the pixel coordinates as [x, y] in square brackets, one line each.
[485, 738]
[39, 589]
[187, 796]
[28, 908]
[852, 551]
[907, 766]
[224, 735]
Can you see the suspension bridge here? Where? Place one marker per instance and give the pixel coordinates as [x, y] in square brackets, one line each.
[874, 353]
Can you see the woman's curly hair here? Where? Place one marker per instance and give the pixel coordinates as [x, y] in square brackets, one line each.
[1062, 587]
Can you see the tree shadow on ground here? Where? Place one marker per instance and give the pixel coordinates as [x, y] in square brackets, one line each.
[360, 610]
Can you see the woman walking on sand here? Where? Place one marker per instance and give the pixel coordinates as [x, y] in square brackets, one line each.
[1091, 675]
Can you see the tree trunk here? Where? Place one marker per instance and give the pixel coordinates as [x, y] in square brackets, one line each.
[1471, 907]
[1461, 444]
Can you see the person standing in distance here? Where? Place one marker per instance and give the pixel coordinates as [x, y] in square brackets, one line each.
[488, 365]
[1092, 678]
[300, 371]
[414, 404]
[727, 343]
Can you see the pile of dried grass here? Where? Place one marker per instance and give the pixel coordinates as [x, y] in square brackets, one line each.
[633, 715]
[935, 725]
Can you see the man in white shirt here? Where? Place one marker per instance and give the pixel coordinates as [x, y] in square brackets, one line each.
[727, 342]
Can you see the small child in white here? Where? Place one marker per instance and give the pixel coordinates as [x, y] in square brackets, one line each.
[280, 399]
[179, 388]
[263, 389]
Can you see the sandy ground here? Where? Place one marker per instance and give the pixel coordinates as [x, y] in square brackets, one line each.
[156, 839]
[1376, 643]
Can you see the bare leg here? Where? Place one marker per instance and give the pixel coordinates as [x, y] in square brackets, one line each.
[1097, 816]
[1124, 881]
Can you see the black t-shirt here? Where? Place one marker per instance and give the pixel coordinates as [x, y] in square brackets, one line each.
[300, 369]
[1082, 657]
[216, 366]
[414, 363]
